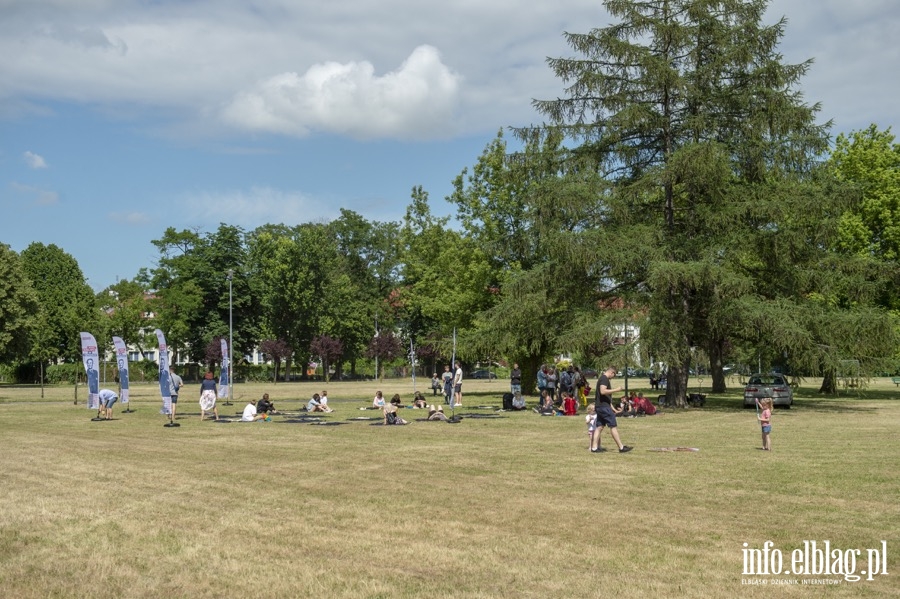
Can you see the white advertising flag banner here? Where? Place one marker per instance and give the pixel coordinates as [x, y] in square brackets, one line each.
[224, 379]
[122, 365]
[90, 355]
[164, 387]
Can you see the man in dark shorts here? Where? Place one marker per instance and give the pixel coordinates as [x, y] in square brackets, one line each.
[605, 415]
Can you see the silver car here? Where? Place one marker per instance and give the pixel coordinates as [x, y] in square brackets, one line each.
[768, 385]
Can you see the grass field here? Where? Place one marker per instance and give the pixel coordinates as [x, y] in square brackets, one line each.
[506, 507]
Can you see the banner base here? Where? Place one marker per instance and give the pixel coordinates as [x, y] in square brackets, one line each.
[171, 424]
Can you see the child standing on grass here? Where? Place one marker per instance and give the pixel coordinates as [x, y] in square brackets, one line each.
[765, 421]
[591, 420]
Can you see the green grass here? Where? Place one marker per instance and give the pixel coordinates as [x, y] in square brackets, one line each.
[512, 507]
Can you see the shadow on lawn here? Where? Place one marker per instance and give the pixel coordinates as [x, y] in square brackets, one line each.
[840, 403]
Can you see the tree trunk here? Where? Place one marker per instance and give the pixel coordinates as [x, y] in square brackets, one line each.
[529, 366]
[287, 369]
[716, 349]
[677, 384]
[829, 382]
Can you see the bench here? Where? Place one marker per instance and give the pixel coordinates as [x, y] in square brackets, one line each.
[896, 380]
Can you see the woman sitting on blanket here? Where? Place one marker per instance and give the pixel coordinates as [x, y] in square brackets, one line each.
[437, 413]
[419, 401]
[395, 401]
[378, 402]
[391, 416]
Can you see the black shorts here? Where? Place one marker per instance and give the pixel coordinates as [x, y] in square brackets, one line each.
[606, 416]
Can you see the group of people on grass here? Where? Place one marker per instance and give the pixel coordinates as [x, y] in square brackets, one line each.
[559, 383]
[450, 384]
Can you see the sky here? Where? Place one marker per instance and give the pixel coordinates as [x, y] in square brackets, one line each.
[121, 118]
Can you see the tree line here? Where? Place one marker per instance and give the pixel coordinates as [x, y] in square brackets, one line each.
[680, 184]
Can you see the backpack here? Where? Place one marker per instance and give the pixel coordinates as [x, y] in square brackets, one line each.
[391, 418]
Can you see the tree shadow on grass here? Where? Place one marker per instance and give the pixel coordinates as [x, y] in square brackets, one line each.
[805, 403]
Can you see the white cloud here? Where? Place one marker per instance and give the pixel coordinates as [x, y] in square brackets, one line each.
[254, 207]
[34, 161]
[130, 218]
[413, 102]
[37, 195]
[297, 67]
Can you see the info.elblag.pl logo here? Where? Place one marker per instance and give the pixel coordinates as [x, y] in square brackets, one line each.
[813, 558]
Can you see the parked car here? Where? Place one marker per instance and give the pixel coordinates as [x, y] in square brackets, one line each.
[482, 374]
[768, 385]
[589, 373]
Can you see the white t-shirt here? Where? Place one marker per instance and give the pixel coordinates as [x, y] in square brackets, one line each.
[457, 379]
[323, 401]
[249, 413]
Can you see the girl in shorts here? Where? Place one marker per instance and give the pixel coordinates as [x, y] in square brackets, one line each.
[765, 421]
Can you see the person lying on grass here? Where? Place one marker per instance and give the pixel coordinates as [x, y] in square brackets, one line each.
[437, 413]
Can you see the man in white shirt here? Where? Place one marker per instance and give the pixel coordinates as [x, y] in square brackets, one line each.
[457, 386]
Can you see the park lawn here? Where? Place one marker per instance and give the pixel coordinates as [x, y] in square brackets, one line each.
[507, 507]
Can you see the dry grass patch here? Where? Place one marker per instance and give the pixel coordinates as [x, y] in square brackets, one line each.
[510, 507]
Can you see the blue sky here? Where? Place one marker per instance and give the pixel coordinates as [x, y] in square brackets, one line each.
[119, 118]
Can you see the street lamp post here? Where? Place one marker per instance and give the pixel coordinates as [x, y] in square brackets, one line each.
[230, 339]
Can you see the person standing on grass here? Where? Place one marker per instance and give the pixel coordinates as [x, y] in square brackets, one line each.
[515, 380]
[591, 421]
[447, 378]
[605, 415]
[457, 386]
[107, 399]
[208, 394]
[175, 384]
[765, 421]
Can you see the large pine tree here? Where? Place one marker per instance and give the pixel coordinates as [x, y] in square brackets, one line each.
[717, 224]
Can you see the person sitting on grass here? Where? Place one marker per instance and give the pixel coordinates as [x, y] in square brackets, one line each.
[570, 406]
[314, 405]
[419, 401]
[250, 414]
[395, 401]
[518, 401]
[437, 413]
[644, 406]
[546, 407]
[391, 416]
[323, 400]
[107, 399]
[378, 402]
[264, 406]
[626, 408]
